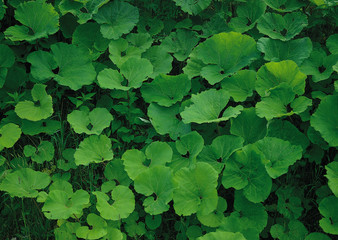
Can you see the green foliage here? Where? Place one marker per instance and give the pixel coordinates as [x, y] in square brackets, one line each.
[177, 119]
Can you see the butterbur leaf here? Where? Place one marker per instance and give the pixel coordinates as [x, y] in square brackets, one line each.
[275, 50]
[221, 49]
[272, 74]
[158, 181]
[159, 153]
[141, 41]
[38, 18]
[196, 191]
[121, 50]
[328, 208]
[164, 120]
[24, 183]
[206, 107]
[40, 108]
[294, 230]
[276, 105]
[116, 18]
[94, 149]
[332, 176]
[181, 42]
[136, 70]
[317, 236]
[62, 204]
[325, 119]
[245, 170]
[66, 231]
[332, 43]
[166, 90]
[222, 235]
[248, 126]
[97, 230]
[240, 85]
[215, 218]
[115, 171]
[9, 135]
[111, 79]
[160, 59]
[67, 64]
[44, 152]
[282, 27]
[220, 150]
[279, 155]
[248, 13]
[248, 218]
[7, 59]
[284, 5]
[93, 122]
[47, 126]
[289, 202]
[123, 203]
[288, 132]
[193, 7]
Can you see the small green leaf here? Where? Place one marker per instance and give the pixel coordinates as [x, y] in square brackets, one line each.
[97, 229]
[328, 207]
[9, 134]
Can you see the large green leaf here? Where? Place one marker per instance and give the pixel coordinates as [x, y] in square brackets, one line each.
[248, 126]
[284, 5]
[63, 203]
[9, 135]
[192, 6]
[206, 107]
[294, 230]
[275, 50]
[281, 27]
[68, 64]
[7, 59]
[325, 119]
[219, 52]
[123, 203]
[40, 108]
[97, 229]
[24, 183]
[196, 191]
[166, 90]
[332, 176]
[164, 120]
[328, 207]
[92, 122]
[160, 58]
[245, 170]
[158, 181]
[272, 74]
[116, 18]
[94, 149]
[332, 43]
[38, 18]
[240, 85]
[279, 155]
[222, 235]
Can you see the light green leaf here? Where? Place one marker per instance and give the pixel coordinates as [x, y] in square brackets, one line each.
[38, 18]
[222, 235]
[93, 122]
[282, 27]
[94, 149]
[116, 18]
[332, 43]
[196, 191]
[240, 85]
[164, 120]
[114, 170]
[245, 170]
[275, 50]
[136, 70]
[317, 236]
[206, 107]
[215, 218]
[67, 64]
[279, 155]
[284, 5]
[166, 90]
[332, 176]
[9, 134]
[248, 126]
[123, 203]
[111, 79]
[61, 204]
[160, 59]
[193, 7]
[325, 119]
[24, 183]
[41, 108]
[328, 207]
[44, 152]
[158, 181]
[272, 74]
[97, 229]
